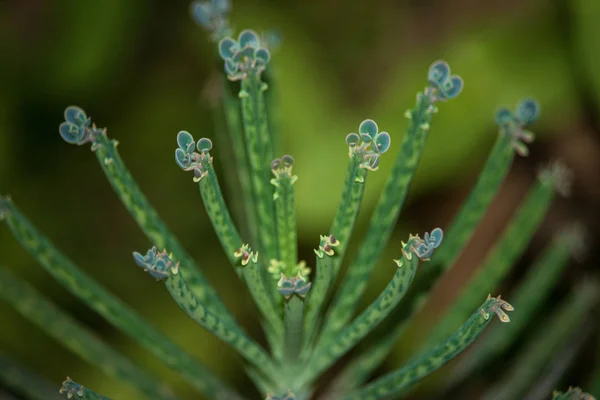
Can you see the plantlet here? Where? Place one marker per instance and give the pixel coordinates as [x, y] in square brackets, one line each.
[308, 324]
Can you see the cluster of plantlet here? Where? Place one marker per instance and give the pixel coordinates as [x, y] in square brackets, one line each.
[309, 326]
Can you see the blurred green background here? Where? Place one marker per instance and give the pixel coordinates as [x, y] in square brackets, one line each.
[142, 67]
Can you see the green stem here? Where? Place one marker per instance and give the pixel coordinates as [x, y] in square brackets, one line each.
[505, 254]
[293, 313]
[327, 352]
[384, 217]
[149, 221]
[25, 382]
[33, 306]
[285, 210]
[233, 118]
[110, 307]
[488, 183]
[563, 323]
[399, 381]
[244, 345]
[315, 300]
[253, 278]
[73, 389]
[220, 218]
[528, 297]
[347, 211]
[259, 156]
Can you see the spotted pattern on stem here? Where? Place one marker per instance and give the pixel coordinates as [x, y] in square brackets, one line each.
[285, 210]
[228, 332]
[111, 307]
[137, 204]
[415, 249]
[441, 87]
[401, 380]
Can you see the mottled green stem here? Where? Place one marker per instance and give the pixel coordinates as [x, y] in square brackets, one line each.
[456, 238]
[293, 321]
[37, 309]
[327, 352]
[24, 382]
[220, 218]
[110, 307]
[528, 298]
[260, 155]
[399, 381]
[564, 322]
[347, 211]
[285, 211]
[315, 300]
[253, 278]
[463, 226]
[149, 221]
[235, 128]
[74, 390]
[503, 256]
[238, 340]
[384, 217]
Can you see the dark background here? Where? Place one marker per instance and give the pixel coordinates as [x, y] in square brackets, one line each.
[141, 67]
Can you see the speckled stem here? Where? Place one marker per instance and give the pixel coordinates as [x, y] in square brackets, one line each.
[217, 211]
[149, 221]
[399, 381]
[538, 352]
[260, 155]
[528, 298]
[315, 300]
[110, 307]
[384, 217]
[253, 278]
[347, 211]
[293, 321]
[327, 352]
[503, 256]
[239, 341]
[37, 309]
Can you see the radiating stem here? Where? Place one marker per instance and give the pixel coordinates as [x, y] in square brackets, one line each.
[149, 221]
[220, 218]
[238, 340]
[562, 324]
[504, 255]
[529, 298]
[347, 211]
[327, 352]
[399, 381]
[253, 278]
[293, 320]
[110, 307]
[384, 217]
[260, 155]
[55, 322]
[315, 300]
[285, 211]
[233, 117]
[463, 226]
